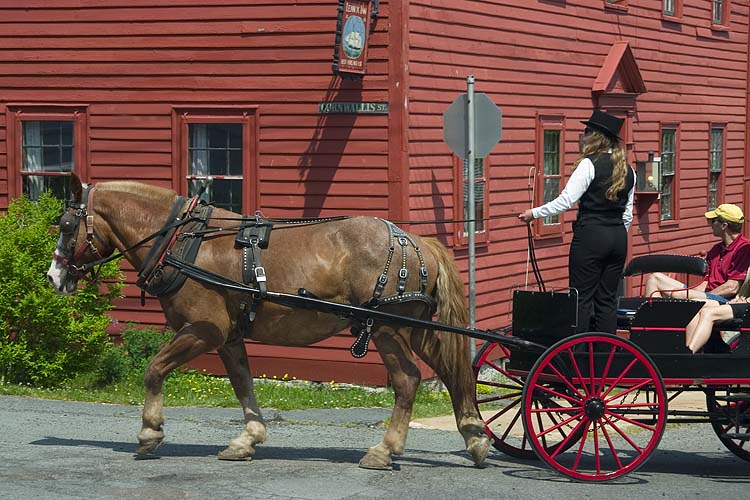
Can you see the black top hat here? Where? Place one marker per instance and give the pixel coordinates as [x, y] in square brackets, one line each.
[605, 123]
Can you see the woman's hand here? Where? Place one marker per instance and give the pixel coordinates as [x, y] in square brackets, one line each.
[526, 216]
[739, 300]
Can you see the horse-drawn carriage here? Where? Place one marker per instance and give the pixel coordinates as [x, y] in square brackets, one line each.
[593, 406]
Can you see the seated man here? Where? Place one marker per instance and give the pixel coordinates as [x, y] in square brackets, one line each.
[728, 261]
[699, 329]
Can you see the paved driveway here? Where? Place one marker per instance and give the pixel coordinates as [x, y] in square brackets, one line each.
[54, 450]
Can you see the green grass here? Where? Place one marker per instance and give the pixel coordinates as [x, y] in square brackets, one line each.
[196, 389]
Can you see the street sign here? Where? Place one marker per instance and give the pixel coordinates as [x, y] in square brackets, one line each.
[487, 125]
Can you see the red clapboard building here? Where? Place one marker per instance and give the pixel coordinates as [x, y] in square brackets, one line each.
[132, 89]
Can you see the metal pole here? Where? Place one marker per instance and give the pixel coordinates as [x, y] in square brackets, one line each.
[472, 208]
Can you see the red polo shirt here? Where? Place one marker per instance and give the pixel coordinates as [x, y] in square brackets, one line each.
[728, 262]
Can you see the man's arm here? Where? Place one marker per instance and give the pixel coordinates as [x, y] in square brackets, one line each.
[728, 289]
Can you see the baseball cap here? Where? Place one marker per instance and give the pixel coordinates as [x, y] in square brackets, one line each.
[727, 212]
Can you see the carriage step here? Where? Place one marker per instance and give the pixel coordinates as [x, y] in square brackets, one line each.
[740, 436]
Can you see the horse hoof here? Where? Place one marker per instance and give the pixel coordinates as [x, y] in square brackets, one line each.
[479, 448]
[234, 454]
[148, 441]
[147, 447]
[376, 459]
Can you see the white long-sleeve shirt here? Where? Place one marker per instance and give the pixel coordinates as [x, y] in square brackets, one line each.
[579, 182]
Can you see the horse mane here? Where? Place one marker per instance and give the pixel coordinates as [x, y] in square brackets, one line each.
[148, 191]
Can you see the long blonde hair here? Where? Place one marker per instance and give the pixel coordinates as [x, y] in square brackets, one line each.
[601, 143]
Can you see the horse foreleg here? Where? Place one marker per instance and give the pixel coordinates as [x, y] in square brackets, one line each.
[404, 376]
[449, 359]
[191, 341]
[242, 447]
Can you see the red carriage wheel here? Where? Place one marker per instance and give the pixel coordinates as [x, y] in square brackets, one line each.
[729, 412]
[498, 399]
[608, 391]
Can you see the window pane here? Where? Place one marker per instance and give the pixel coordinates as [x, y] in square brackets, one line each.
[51, 159]
[713, 190]
[718, 17]
[235, 162]
[669, 7]
[50, 133]
[717, 149]
[217, 162]
[551, 191]
[666, 198]
[35, 185]
[667, 152]
[551, 152]
[47, 147]
[479, 191]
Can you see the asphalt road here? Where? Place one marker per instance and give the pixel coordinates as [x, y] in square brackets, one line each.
[52, 450]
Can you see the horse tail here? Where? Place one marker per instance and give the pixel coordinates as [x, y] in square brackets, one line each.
[449, 351]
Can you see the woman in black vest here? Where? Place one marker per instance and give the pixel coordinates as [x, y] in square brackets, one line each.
[603, 185]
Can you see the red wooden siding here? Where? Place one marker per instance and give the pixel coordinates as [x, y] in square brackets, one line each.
[135, 64]
[543, 58]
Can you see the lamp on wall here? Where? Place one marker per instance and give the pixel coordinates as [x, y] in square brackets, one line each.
[649, 174]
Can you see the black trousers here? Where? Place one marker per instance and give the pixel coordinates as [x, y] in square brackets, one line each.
[597, 257]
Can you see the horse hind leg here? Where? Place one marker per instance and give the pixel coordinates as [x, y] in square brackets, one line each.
[190, 341]
[242, 447]
[405, 377]
[447, 355]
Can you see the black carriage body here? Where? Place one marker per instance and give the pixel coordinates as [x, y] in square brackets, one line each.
[655, 325]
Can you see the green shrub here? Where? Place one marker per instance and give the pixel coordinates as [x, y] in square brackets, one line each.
[46, 338]
[142, 344]
[113, 366]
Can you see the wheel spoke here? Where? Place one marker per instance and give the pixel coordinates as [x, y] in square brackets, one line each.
[611, 447]
[624, 436]
[586, 392]
[627, 391]
[502, 412]
[617, 380]
[499, 398]
[580, 447]
[560, 424]
[605, 372]
[558, 394]
[619, 416]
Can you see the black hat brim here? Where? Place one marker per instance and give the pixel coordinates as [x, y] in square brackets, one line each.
[601, 129]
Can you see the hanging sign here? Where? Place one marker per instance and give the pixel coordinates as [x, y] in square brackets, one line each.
[352, 31]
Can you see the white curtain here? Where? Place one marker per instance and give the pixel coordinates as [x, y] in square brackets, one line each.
[32, 158]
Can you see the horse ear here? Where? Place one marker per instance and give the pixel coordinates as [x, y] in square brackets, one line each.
[76, 188]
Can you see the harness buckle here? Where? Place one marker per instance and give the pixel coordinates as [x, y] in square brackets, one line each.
[260, 274]
[403, 273]
[383, 279]
[402, 241]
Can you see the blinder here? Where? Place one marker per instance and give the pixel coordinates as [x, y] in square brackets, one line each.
[70, 224]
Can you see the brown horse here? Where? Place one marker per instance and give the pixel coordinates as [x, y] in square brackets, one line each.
[337, 261]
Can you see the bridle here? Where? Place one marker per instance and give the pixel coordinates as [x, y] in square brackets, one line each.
[70, 223]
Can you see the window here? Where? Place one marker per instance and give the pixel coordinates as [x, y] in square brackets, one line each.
[480, 188]
[551, 178]
[668, 169]
[46, 145]
[720, 12]
[215, 163]
[672, 9]
[549, 168]
[716, 165]
[218, 156]
[461, 199]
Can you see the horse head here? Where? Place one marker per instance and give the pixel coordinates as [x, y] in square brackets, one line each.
[79, 244]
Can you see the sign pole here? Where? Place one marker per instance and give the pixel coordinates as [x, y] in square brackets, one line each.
[472, 208]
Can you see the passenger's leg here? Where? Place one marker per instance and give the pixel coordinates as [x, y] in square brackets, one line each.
[698, 334]
[661, 285]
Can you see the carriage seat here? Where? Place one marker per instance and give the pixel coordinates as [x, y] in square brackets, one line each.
[664, 263]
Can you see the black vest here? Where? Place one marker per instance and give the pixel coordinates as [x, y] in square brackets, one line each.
[594, 207]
